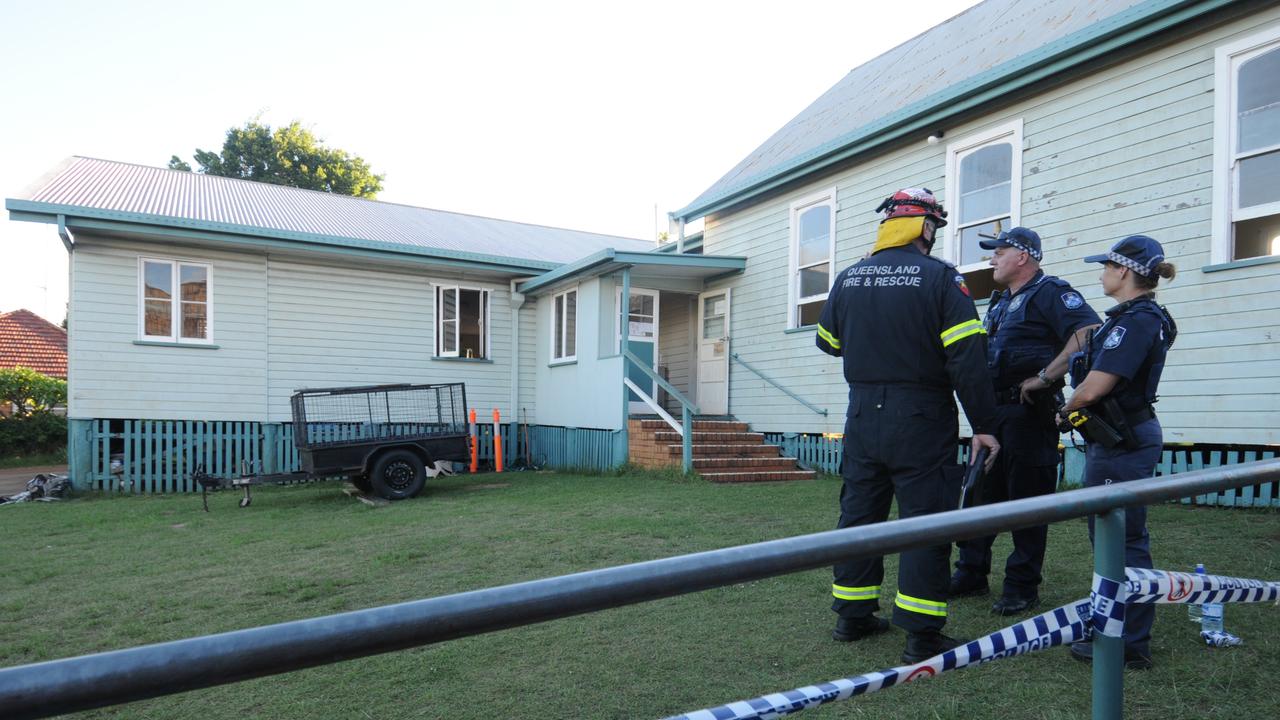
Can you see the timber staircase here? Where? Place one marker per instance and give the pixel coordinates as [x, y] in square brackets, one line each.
[724, 451]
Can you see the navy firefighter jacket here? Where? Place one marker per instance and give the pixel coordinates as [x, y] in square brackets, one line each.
[1027, 329]
[901, 317]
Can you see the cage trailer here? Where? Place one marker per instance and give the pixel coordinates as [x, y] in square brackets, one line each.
[383, 437]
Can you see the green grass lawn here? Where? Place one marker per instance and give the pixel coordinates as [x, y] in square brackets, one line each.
[102, 573]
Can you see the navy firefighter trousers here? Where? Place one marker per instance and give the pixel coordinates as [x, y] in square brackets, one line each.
[899, 441]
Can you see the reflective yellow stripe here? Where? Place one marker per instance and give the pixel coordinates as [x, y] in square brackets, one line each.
[870, 592]
[918, 605]
[962, 331]
[826, 335]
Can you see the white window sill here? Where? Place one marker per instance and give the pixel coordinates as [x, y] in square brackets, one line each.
[462, 359]
[1247, 262]
[563, 361]
[170, 343]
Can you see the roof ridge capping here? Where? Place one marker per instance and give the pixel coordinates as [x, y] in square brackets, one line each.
[1089, 36]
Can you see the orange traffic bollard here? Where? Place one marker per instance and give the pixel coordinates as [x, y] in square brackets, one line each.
[497, 441]
[475, 444]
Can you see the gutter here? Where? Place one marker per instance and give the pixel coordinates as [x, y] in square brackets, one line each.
[67, 238]
[1105, 36]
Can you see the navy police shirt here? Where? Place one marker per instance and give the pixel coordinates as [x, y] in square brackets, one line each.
[1132, 344]
[901, 317]
[1028, 329]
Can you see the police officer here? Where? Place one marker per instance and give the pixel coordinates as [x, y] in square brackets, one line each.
[909, 334]
[1115, 380]
[1036, 320]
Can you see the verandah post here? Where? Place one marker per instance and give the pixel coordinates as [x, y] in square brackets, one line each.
[624, 332]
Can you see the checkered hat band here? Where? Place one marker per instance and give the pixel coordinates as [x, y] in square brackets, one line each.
[1035, 254]
[1132, 264]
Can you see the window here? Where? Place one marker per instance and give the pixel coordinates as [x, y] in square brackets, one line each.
[984, 191]
[813, 256]
[175, 301]
[462, 321]
[1246, 206]
[984, 187]
[564, 322]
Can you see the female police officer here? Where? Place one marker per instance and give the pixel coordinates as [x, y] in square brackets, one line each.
[1115, 380]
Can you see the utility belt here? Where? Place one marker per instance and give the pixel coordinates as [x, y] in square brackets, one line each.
[1044, 403]
[1106, 424]
[1009, 396]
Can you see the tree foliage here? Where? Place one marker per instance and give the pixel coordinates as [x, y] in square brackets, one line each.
[29, 392]
[290, 155]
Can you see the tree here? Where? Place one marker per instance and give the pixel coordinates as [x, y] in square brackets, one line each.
[290, 155]
[29, 392]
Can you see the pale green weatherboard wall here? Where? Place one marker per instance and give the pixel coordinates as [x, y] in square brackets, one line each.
[586, 393]
[1128, 149]
[280, 323]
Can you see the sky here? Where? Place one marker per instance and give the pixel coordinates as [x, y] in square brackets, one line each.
[594, 116]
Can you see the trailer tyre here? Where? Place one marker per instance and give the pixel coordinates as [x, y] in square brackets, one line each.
[397, 475]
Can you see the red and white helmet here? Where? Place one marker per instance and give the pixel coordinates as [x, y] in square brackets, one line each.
[913, 202]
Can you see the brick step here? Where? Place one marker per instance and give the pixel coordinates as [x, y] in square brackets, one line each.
[737, 438]
[702, 451]
[698, 425]
[758, 476]
[735, 464]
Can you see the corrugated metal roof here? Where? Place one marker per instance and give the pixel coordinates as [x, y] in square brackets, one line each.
[29, 340]
[191, 197]
[970, 44]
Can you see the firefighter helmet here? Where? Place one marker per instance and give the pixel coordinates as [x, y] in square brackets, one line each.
[913, 202]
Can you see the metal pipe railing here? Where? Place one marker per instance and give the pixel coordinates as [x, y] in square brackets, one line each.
[738, 358]
[81, 683]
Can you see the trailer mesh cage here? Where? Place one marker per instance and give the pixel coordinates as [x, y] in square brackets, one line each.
[346, 416]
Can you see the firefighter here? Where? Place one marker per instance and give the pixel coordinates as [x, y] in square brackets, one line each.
[908, 332]
[1115, 379]
[1036, 320]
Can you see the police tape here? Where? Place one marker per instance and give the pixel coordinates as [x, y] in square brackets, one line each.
[1063, 625]
[1101, 612]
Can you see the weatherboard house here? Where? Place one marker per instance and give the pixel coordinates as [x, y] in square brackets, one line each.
[199, 304]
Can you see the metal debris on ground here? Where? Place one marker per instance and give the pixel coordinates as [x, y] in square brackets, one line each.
[42, 487]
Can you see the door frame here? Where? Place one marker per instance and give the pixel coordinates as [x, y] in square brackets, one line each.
[727, 338]
[638, 406]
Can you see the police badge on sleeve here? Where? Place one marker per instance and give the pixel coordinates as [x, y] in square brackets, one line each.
[1072, 300]
[1114, 339]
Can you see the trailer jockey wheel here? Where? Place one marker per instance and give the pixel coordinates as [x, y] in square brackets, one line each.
[248, 498]
[397, 475]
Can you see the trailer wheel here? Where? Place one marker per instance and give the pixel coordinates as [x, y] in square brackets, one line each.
[397, 475]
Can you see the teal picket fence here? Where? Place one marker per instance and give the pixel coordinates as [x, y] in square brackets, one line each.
[160, 456]
[817, 452]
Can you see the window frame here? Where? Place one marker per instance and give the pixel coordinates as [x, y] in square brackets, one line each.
[175, 301]
[560, 322]
[486, 301]
[1227, 61]
[826, 198]
[956, 151]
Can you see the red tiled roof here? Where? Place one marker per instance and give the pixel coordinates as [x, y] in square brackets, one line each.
[29, 340]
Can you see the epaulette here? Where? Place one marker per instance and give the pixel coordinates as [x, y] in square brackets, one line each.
[948, 264]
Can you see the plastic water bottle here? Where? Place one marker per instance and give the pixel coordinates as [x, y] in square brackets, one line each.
[1211, 617]
[1194, 612]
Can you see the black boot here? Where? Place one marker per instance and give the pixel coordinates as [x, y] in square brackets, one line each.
[966, 585]
[923, 645]
[1133, 660]
[852, 629]
[1009, 605]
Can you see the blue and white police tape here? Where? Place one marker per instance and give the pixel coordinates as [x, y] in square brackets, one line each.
[1060, 626]
[1101, 612]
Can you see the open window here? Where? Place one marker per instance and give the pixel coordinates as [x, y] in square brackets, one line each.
[1247, 149]
[462, 322]
[984, 190]
[175, 301]
[813, 256]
